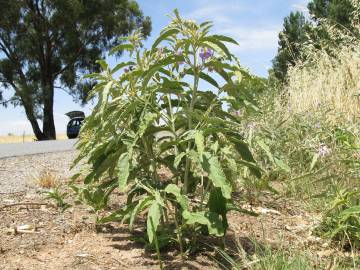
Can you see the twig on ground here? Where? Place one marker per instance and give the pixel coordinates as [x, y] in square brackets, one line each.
[19, 231]
[26, 204]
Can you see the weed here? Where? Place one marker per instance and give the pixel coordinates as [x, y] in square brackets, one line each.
[341, 221]
[160, 114]
[59, 198]
[47, 179]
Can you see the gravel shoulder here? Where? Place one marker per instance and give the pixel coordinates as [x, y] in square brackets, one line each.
[18, 174]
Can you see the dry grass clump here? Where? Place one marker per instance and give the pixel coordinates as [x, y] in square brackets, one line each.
[47, 179]
[11, 138]
[329, 80]
[328, 84]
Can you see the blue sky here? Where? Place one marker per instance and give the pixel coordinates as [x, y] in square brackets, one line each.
[255, 24]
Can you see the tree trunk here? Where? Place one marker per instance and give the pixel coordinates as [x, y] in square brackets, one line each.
[32, 119]
[49, 130]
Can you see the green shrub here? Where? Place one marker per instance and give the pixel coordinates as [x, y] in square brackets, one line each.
[162, 114]
[341, 221]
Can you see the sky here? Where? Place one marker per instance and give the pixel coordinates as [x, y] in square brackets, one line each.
[255, 24]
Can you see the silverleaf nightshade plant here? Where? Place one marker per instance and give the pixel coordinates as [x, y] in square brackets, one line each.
[167, 112]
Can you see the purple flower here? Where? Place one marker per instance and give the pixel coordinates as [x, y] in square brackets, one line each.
[179, 52]
[206, 53]
[126, 70]
[238, 113]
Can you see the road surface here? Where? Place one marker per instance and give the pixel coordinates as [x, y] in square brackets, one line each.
[32, 148]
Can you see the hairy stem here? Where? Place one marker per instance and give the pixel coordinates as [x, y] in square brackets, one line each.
[190, 123]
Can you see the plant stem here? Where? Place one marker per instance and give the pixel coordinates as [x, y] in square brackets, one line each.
[156, 245]
[173, 129]
[191, 109]
[178, 233]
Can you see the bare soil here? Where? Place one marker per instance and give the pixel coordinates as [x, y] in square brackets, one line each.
[34, 234]
[71, 240]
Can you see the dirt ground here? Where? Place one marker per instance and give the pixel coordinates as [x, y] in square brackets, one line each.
[40, 236]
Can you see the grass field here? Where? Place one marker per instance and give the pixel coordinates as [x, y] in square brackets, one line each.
[26, 138]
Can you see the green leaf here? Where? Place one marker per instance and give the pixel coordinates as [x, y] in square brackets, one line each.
[124, 170]
[266, 148]
[355, 210]
[118, 216]
[181, 199]
[238, 76]
[142, 204]
[243, 149]
[212, 166]
[122, 47]
[103, 64]
[314, 160]
[282, 165]
[217, 204]
[148, 119]
[209, 219]
[178, 159]
[219, 44]
[155, 68]
[199, 141]
[205, 77]
[121, 65]
[153, 220]
[277, 162]
[206, 24]
[104, 95]
[163, 36]
[225, 38]
[89, 178]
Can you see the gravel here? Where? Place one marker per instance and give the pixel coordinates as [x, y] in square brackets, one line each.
[18, 174]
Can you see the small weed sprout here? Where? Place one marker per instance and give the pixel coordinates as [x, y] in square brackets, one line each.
[56, 195]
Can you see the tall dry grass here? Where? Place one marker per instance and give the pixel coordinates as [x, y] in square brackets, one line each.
[27, 138]
[330, 84]
[329, 80]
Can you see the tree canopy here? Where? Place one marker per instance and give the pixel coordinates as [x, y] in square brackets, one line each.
[290, 39]
[337, 11]
[48, 45]
[297, 31]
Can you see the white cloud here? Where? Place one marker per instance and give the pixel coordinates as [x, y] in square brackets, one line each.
[251, 39]
[218, 13]
[225, 18]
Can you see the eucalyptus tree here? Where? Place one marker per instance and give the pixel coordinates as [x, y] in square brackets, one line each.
[47, 45]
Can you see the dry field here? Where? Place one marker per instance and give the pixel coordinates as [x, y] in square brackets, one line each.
[26, 138]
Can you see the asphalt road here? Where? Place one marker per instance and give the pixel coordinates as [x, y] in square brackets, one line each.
[32, 148]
